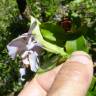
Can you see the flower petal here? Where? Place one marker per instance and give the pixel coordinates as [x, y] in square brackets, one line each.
[12, 51]
[20, 42]
[30, 44]
[25, 58]
[22, 73]
[33, 61]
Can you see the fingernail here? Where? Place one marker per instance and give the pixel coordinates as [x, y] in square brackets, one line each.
[80, 57]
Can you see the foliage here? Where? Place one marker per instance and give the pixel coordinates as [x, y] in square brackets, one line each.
[80, 36]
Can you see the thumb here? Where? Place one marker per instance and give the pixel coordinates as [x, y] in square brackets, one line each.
[74, 77]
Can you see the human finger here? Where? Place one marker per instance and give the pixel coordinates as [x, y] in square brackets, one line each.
[40, 85]
[74, 77]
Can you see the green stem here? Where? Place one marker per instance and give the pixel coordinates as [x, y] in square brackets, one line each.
[47, 46]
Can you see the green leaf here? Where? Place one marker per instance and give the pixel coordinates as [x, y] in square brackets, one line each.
[48, 35]
[77, 44]
[53, 33]
[92, 89]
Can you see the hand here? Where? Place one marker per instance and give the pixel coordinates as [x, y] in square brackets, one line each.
[69, 79]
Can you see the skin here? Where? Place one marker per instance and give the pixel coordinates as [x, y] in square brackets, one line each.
[71, 78]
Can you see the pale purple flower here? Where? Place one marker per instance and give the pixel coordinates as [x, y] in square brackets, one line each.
[27, 48]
